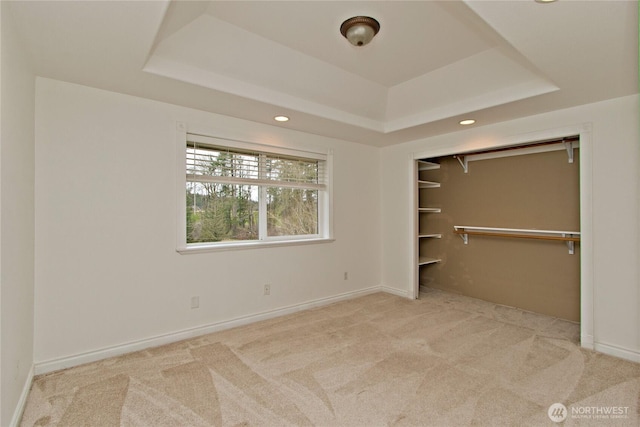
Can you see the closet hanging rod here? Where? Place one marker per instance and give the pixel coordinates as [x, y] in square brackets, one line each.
[520, 147]
[570, 237]
[569, 143]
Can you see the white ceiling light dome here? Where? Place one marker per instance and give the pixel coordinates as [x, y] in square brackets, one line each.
[359, 30]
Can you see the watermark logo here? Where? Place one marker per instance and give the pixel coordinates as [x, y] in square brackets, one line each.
[557, 412]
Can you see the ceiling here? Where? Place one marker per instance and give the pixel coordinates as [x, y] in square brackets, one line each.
[432, 64]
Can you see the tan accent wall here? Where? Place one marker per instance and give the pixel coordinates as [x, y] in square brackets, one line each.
[533, 191]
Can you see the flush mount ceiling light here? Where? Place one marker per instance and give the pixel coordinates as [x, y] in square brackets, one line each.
[281, 118]
[467, 122]
[359, 30]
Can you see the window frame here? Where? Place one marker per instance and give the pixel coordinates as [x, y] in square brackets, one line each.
[185, 133]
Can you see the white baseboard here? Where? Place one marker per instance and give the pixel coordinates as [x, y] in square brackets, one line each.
[47, 366]
[395, 291]
[586, 341]
[22, 402]
[621, 352]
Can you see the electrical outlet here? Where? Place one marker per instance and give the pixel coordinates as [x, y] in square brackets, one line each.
[267, 289]
[346, 275]
[195, 302]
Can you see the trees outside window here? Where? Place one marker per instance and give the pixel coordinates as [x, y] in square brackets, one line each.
[237, 195]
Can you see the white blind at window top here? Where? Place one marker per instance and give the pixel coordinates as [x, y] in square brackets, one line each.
[205, 163]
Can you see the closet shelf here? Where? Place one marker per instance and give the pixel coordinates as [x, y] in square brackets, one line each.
[567, 144]
[428, 184]
[433, 236]
[423, 165]
[569, 237]
[423, 260]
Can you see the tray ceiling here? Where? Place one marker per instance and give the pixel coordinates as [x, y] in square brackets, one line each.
[432, 63]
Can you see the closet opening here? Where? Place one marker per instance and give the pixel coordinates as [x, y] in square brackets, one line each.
[503, 225]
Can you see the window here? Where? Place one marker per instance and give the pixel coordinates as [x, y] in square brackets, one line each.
[243, 194]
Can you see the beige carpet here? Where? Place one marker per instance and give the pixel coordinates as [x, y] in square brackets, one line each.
[378, 360]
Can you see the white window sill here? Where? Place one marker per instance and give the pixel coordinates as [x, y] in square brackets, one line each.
[254, 244]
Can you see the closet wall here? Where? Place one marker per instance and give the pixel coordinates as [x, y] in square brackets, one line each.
[532, 191]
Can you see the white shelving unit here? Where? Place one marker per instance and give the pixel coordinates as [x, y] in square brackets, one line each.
[426, 259]
[423, 165]
[429, 236]
[428, 184]
[423, 260]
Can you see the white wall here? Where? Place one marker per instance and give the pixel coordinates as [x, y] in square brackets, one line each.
[615, 208]
[107, 271]
[17, 89]
[108, 277]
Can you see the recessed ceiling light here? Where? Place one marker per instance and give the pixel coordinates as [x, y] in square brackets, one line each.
[281, 118]
[467, 122]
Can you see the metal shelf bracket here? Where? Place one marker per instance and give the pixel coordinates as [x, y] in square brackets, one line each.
[570, 245]
[569, 146]
[464, 162]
